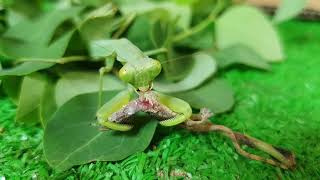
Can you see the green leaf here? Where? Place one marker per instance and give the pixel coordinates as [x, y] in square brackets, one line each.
[0, 70]
[204, 67]
[55, 50]
[240, 54]
[98, 23]
[289, 9]
[216, 95]
[11, 86]
[175, 68]
[74, 83]
[25, 68]
[161, 32]
[27, 9]
[139, 38]
[70, 137]
[201, 40]
[248, 26]
[41, 30]
[175, 11]
[124, 49]
[48, 105]
[32, 89]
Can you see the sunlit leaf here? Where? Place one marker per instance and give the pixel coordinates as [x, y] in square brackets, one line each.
[204, 67]
[71, 138]
[240, 54]
[248, 26]
[217, 95]
[289, 9]
[74, 83]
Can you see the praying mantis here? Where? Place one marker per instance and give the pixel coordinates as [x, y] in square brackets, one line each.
[139, 71]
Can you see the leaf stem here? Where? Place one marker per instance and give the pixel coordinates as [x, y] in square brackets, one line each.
[202, 25]
[156, 51]
[61, 60]
[102, 70]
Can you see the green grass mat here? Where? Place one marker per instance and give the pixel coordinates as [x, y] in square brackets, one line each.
[280, 107]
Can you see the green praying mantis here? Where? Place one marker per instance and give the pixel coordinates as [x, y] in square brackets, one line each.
[139, 71]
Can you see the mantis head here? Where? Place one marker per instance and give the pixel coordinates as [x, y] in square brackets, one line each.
[140, 75]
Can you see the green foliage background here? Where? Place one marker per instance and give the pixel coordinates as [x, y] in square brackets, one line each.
[280, 107]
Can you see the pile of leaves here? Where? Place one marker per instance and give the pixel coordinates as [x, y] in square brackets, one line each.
[50, 69]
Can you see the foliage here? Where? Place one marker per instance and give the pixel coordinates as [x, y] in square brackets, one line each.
[48, 64]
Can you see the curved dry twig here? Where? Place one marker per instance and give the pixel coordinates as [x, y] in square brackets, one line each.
[281, 157]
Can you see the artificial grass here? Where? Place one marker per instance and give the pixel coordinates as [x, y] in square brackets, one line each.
[279, 107]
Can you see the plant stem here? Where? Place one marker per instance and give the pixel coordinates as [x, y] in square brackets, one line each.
[156, 51]
[101, 74]
[62, 60]
[202, 25]
[194, 30]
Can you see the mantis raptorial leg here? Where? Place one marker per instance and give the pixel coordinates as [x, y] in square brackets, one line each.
[109, 62]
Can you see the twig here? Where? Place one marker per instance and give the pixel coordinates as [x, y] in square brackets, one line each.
[61, 60]
[281, 158]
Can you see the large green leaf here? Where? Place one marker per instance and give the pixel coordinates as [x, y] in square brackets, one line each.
[240, 54]
[216, 95]
[175, 11]
[55, 50]
[41, 30]
[48, 105]
[248, 26]
[289, 9]
[74, 83]
[70, 137]
[32, 89]
[101, 17]
[204, 67]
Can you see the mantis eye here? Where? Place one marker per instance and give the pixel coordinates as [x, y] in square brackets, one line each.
[126, 73]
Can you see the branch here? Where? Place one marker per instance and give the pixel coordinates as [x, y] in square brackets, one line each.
[281, 157]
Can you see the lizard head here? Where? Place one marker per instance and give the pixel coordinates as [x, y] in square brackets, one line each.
[140, 75]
